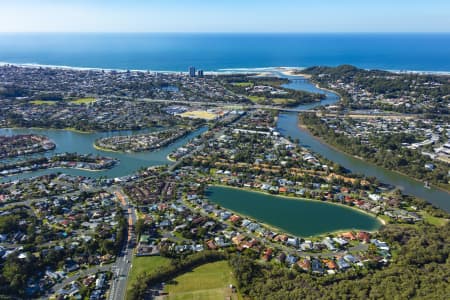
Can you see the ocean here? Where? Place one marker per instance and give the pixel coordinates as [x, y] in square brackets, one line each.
[216, 52]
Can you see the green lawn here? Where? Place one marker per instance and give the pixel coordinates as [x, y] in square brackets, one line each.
[43, 102]
[243, 84]
[209, 281]
[433, 220]
[385, 218]
[145, 264]
[256, 99]
[84, 100]
[282, 101]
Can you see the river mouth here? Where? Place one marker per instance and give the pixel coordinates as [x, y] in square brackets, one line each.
[300, 217]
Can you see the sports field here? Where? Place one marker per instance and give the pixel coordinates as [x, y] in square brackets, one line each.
[43, 102]
[209, 281]
[199, 114]
[84, 100]
[145, 264]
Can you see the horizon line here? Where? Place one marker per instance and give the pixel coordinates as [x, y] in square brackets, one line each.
[225, 32]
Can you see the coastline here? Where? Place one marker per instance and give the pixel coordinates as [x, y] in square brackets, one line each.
[380, 220]
[287, 71]
[208, 72]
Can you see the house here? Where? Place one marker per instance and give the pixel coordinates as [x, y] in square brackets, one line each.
[350, 258]
[330, 264]
[348, 235]
[237, 240]
[267, 254]
[290, 259]
[429, 167]
[329, 244]
[234, 218]
[280, 238]
[304, 264]
[292, 241]
[100, 282]
[282, 189]
[342, 264]
[340, 241]
[316, 266]
[282, 257]
[380, 245]
[306, 245]
[71, 266]
[374, 197]
[363, 236]
[211, 245]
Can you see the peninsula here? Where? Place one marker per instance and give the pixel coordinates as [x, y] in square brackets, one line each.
[141, 142]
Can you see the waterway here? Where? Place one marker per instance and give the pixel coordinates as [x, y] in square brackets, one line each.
[295, 216]
[69, 141]
[288, 126]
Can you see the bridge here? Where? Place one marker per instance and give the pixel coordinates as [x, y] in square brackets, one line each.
[298, 80]
[284, 109]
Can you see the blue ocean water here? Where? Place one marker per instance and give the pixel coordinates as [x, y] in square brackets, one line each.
[175, 52]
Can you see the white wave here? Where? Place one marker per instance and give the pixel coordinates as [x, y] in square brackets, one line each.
[210, 72]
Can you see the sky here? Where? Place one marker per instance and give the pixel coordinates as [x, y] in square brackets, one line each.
[224, 16]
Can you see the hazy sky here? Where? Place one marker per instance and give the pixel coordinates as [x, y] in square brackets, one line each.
[225, 15]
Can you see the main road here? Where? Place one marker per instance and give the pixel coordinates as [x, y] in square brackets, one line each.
[122, 266]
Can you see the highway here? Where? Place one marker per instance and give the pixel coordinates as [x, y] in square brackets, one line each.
[122, 266]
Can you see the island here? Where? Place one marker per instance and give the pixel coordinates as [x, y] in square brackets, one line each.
[17, 145]
[64, 160]
[141, 142]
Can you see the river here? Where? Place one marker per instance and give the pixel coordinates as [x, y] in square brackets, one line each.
[68, 141]
[288, 126]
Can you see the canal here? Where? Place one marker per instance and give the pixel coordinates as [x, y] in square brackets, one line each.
[83, 143]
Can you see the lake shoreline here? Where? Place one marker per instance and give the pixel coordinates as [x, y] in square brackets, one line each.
[379, 220]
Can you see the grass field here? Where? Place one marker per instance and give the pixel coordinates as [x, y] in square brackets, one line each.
[282, 100]
[199, 114]
[434, 220]
[256, 99]
[145, 264]
[43, 102]
[84, 100]
[209, 281]
[243, 84]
